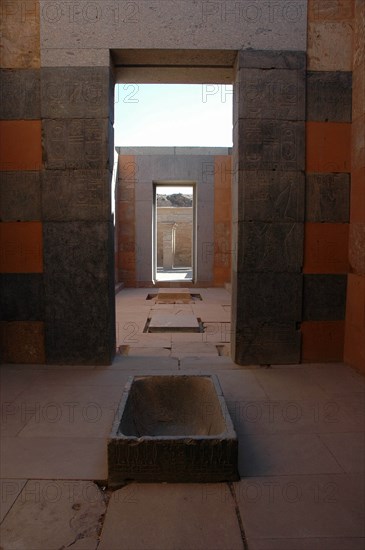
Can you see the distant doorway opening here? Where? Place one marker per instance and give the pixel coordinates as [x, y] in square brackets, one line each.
[174, 220]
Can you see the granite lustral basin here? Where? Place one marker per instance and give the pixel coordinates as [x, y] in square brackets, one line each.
[172, 428]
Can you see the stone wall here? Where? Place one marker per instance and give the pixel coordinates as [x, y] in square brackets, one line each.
[292, 116]
[22, 295]
[268, 206]
[57, 297]
[328, 166]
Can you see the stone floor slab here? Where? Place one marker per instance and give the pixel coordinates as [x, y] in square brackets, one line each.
[208, 364]
[308, 543]
[149, 352]
[100, 376]
[9, 492]
[211, 313]
[296, 507]
[337, 380]
[348, 449]
[217, 332]
[151, 341]
[265, 416]
[194, 347]
[187, 337]
[240, 386]
[49, 515]
[54, 458]
[170, 517]
[279, 383]
[142, 364]
[14, 380]
[284, 454]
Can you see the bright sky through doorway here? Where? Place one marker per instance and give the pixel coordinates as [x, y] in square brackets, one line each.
[167, 115]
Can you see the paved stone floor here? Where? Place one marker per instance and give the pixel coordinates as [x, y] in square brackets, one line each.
[301, 449]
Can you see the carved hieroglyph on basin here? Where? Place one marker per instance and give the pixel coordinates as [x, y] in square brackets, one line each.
[172, 428]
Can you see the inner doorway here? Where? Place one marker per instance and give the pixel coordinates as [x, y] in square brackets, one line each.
[174, 231]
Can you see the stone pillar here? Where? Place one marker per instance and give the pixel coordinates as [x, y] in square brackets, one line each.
[268, 206]
[168, 244]
[78, 233]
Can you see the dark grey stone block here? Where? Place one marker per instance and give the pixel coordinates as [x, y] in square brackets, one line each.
[21, 297]
[77, 92]
[76, 195]
[276, 59]
[77, 143]
[277, 94]
[79, 292]
[324, 297]
[327, 197]
[20, 196]
[329, 96]
[271, 196]
[267, 344]
[271, 145]
[274, 297]
[276, 247]
[20, 94]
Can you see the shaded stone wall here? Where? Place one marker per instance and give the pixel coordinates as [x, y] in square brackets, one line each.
[268, 206]
[223, 247]
[125, 227]
[355, 308]
[56, 233]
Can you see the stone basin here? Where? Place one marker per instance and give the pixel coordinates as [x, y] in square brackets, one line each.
[172, 428]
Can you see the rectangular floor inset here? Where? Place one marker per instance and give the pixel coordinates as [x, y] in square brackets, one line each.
[174, 298]
[163, 322]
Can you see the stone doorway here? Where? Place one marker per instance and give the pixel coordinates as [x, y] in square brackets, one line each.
[174, 232]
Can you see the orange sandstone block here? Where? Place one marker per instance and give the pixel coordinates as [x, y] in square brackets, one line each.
[326, 248]
[222, 171]
[21, 247]
[354, 351]
[128, 170]
[20, 34]
[126, 212]
[20, 145]
[222, 275]
[355, 303]
[22, 342]
[328, 147]
[322, 341]
[330, 10]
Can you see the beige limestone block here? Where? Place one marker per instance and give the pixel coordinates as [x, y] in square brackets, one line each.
[330, 46]
[20, 34]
